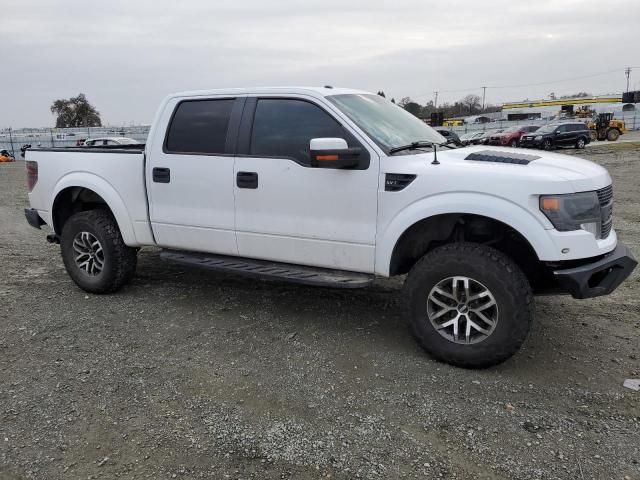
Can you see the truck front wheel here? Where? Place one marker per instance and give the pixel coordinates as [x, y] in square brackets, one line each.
[94, 253]
[469, 305]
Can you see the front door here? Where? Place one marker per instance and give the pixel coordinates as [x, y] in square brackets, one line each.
[288, 211]
[190, 176]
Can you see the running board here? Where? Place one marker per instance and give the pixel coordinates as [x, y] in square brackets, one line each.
[263, 269]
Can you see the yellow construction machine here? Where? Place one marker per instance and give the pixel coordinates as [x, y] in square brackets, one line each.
[604, 127]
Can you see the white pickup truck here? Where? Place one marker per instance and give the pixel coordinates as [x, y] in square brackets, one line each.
[334, 187]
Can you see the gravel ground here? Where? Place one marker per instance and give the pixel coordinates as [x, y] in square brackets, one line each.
[190, 374]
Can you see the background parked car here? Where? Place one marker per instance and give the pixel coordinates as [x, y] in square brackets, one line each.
[94, 142]
[470, 138]
[450, 135]
[511, 136]
[570, 134]
[484, 138]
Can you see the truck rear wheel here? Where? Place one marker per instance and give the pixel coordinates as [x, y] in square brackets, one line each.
[469, 305]
[94, 253]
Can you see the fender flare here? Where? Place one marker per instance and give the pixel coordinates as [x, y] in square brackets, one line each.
[532, 228]
[109, 194]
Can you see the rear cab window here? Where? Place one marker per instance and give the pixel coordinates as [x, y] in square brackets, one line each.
[199, 127]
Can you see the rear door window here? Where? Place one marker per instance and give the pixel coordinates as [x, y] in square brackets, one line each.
[200, 127]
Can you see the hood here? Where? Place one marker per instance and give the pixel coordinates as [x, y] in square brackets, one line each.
[546, 171]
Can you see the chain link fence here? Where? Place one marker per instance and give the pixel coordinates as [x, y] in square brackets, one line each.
[14, 140]
[631, 120]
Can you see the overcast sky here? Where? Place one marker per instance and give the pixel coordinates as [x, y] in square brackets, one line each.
[126, 55]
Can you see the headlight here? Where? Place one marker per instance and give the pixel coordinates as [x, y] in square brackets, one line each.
[538, 137]
[573, 211]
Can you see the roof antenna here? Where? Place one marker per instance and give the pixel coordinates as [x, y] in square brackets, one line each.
[435, 155]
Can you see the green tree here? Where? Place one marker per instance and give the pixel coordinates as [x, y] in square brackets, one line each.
[75, 112]
[410, 106]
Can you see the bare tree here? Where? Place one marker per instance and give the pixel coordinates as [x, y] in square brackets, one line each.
[404, 101]
[472, 103]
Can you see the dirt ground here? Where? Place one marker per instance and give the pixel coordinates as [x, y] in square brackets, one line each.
[190, 374]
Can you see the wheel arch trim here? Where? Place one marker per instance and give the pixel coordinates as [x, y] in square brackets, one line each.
[485, 205]
[107, 192]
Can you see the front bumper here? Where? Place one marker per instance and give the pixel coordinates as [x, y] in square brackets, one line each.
[33, 217]
[531, 143]
[600, 277]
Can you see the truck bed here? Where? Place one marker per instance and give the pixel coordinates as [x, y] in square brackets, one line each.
[116, 173]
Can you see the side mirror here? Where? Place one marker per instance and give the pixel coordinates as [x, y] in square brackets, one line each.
[333, 153]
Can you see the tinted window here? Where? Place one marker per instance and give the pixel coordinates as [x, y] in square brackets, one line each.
[562, 128]
[200, 126]
[577, 127]
[284, 127]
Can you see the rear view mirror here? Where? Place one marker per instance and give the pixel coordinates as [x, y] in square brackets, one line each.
[333, 153]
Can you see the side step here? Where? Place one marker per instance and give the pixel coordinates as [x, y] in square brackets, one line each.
[263, 269]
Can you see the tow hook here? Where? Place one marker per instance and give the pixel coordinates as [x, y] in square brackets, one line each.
[53, 238]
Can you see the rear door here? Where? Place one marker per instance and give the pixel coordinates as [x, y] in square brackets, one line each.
[290, 212]
[190, 175]
[562, 135]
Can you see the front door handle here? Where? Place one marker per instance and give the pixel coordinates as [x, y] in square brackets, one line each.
[161, 175]
[247, 180]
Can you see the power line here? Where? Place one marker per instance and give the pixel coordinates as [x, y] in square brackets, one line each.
[556, 81]
[497, 87]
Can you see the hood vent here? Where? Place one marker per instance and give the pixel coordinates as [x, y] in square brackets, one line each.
[394, 182]
[502, 157]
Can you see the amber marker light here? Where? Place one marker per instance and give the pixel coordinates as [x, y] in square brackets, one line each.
[550, 204]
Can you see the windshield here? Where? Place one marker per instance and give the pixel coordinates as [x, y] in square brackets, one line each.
[547, 129]
[387, 124]
[127, 141]
[512, 129]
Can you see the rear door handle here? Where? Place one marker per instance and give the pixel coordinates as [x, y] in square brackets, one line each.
[247, 180]
[161, 175]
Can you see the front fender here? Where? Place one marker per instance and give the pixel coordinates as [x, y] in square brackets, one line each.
[109, 194]
[517, 217]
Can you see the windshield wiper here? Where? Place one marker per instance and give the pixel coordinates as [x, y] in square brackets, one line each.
[410, 146]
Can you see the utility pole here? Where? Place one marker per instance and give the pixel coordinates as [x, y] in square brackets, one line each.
[13, 152]
[628, 72]
[435, 105]
[484, 91]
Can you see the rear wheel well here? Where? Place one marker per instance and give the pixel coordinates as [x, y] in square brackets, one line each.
[72, 200]
[432, 232]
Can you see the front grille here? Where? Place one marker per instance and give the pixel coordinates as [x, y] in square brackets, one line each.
[605, 197]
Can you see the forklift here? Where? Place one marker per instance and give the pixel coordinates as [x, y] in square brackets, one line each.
[604, 127]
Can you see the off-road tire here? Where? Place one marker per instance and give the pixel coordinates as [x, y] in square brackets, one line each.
[613, 134]
[580, 143]
[119, 259]
[499, 274]
[593, 135]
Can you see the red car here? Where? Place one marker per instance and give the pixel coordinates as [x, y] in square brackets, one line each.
[511, 136]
